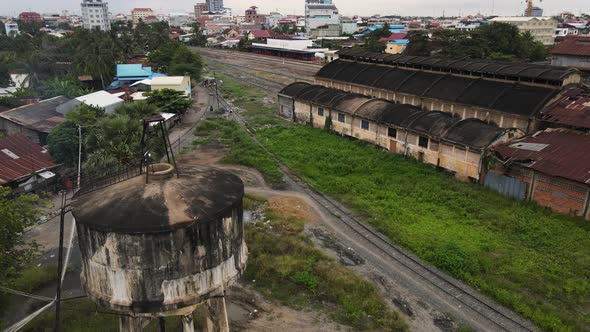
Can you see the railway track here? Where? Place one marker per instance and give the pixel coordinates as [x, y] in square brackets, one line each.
[500, 317]
[300, 68]
[245, 69]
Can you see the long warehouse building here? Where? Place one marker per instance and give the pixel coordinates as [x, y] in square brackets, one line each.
[437, 138]
[506, 94]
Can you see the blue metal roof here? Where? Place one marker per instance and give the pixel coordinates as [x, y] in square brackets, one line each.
[399, 41]
[133, 71]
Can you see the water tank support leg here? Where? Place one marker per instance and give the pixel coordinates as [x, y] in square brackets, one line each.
[187, 323]
[130, 324]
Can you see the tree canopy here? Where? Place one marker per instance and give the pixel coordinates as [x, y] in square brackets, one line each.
[495, 41]
[168, 100]
[16, 214]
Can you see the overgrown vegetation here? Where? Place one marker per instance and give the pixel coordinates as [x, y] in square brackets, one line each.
[284, 266]
[525, 256]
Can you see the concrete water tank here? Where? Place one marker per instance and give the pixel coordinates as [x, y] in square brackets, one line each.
[159, 248]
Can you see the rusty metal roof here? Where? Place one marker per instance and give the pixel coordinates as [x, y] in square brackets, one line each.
[465, 66]
[503, 96]
[557, 152]
[20, 157]
[572, 109]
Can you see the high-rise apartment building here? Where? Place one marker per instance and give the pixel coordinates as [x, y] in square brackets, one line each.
[320, 13]
[95, 14]
[200, 8]
[535, 12]
[215, 5]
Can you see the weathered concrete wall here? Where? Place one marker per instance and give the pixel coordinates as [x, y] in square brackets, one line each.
[286, 107]
[157, 272]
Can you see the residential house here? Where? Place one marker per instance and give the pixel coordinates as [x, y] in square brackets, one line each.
[100, 99]
[230, 34]
[551, 168]
[24, 165]
[11, 28]
[131, 73]
[259, 35]
[573, 51]
[36, 120]
[177, 83]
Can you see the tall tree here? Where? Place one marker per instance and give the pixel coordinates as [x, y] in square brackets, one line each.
[168, 100]
[16, 214]
[419, 44]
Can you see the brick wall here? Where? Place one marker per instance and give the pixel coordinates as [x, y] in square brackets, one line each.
[560, 195]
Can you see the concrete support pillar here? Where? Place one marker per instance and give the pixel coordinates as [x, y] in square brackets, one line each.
[187, 323]
[130, 324]
[213, 316]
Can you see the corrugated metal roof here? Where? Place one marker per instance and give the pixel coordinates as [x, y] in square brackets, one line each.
[20, 157]
[133, 70]
[566, 153]
[571, 109]
[41, 116]
[503, 96]
[472, 67]
[573, 45]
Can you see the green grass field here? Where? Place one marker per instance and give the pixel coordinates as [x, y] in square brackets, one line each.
[523, 255]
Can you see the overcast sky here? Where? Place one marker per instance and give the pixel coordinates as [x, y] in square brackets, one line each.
[347, 7]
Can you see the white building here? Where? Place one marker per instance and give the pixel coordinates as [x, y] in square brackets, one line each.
[101, 99]
[11, 28]
[541, 28]
[95, 14]
[349, 27]
[320, 13]
[179, 19]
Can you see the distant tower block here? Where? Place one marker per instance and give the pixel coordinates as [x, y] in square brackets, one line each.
[166, 248]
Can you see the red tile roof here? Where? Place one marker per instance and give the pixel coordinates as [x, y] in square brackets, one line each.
[571, 109]
[394, 36]
[573, 45]
[260, 34]
[142, 10]
[30, 158]
[556, 152]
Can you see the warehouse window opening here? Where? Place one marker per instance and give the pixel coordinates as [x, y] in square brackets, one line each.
[423, 141]
[341, 117]
[365, 124]
[320, 111]
[392, 132]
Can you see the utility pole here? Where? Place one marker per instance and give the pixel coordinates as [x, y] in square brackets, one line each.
[216, 90]
[57, 327]
[79, 154]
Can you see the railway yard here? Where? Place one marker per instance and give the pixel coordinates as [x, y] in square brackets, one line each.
[262, 71]
[430, 296]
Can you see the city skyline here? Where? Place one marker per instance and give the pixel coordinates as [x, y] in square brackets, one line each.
[346, 7]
